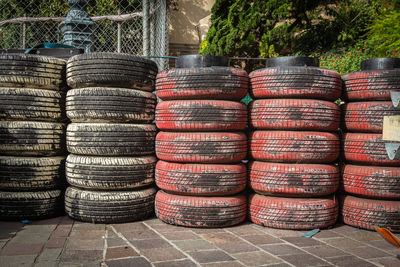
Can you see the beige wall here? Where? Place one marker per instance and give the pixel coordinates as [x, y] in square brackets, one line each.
[185, 25]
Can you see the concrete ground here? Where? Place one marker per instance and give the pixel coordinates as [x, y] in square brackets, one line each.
[63, 242]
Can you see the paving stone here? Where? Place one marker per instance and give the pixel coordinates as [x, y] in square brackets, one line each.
[302, 241]
[176, 263]
[11, 226]
[50, 254]
[120, 252]
[51, 221]
[12, 249]
[115, 242]
[388, 261]
[78, 256]
[325, 251]
[346, 261]
[180, 235]
[89, 226]
[327, 234]
[86, 264]
[207, 256]
[300, 260]
[343, 243]
[138, 261]
[262, 239]
[62, 231]
[208, 230]
[281, 249]
[382, 244]
[162, 254]
[137, 235]
[364, 236]
[223, 264]
[237, 247]
[129, 227]
[151, 243]
[367, 252]
[281, 264]
[88, 234]
[242, 230]
[281, 232]
[153, 221]
[21, 260]
[163, 228]
[46, 264]
[56, 242]
[81, 244]
[38, 229]
[194, 245]
[65, 220]
[345, 229]
[2, 244]
[30, 238]
[256, 258]
[217, 238]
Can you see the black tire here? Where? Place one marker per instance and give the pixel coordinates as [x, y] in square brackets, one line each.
[380, 64]
[110, 173]
[292, 61]
[109, 207]
[201, 61]
[30, 138]
[30, 205]
[111, 139]
[31, 104]
[32, 71]
[111, 69]
[110, 105]
[31, 173]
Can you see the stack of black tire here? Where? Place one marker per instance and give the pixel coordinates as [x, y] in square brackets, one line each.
[32, 136]
[294, 145]
[370, 178]
[111, 138]
[202, 143]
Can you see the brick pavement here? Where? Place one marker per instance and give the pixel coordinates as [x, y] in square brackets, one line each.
[63, 242]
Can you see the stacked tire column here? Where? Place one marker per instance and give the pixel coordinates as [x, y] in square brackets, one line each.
[370, 179]
[32, 136]
[201, 144]
[111, 138]
[293, 145]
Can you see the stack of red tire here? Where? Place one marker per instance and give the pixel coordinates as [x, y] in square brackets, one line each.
[370, 179]
[293, 145]
[201, 143]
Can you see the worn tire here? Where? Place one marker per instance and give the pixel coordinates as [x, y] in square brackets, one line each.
[31, 173]
[201, 115]
[201, 179]
[30, 138]
[366, 148]
[109, 173]
[116, 105]
[207, 147]
[294, 147]
[293, 180]
[371, 84]
[295, 82]
[366, 116]
[372, 181]
[111, 69]
[110, 139]
[32, 71]
[294, 114]
[30, 205]
[370, 213]
[31, 104]
[200, 212]
[221, 83]
[109, 207]
[293, 213]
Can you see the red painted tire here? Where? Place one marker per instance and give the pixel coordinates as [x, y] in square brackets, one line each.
[294, 147]
[202, 83]
[366, 148]
[206, 147]
[295, 82]
[371, 84]
[201, 115]
[294, 114]
[201, 212]
[372, 181]
[293, 213]
[201, 179]
[368, 213]
[366, 116]
[293, 180]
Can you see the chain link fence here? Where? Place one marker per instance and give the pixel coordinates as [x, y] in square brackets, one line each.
[119, 25]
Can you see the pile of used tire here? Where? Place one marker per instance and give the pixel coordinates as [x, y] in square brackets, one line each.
[370, 178]
[294, 146]
[202, 143]
[32, 133]
[111, 138]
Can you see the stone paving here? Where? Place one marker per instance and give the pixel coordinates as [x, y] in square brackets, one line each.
[63, 242]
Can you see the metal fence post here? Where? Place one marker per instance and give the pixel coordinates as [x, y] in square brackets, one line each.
[119, 34]
[24, 34]
[145, 5]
